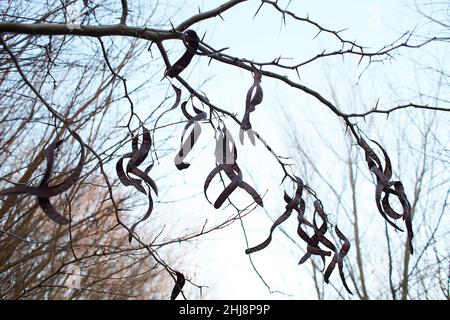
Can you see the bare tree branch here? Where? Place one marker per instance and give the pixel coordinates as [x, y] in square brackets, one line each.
[88, 30]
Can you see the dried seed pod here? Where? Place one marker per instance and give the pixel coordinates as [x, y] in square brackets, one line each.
[384, 185]
[266, 242]
[179, 284]
[191, 40]
[253, 98]
[43, 192]
[137, 156]
[188, 144]
[226, 155]
[338, 259]
[313, 242]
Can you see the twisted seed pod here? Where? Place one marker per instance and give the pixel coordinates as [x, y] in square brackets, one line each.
[226, 156]
[137, 156]
[388, 187]
[44, 192]
[192, 42]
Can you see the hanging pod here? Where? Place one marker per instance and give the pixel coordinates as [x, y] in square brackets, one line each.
[44, 191]
[385, 186]
[133, 176]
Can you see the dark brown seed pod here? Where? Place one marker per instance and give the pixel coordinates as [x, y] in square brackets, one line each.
[266, 242]
[179, 284]
[338, 258]
[137, 157]
[51, 212]
[51, 191]
[236, 179]
[384, 186]
[191, 40]
[45, 203]
[226, 155]
[253, 98]
[341, 255]
[188, 144]
[43, 192]
[313, 242]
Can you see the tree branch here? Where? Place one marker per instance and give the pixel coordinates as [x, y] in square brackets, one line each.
[409, 105]
[88, 30]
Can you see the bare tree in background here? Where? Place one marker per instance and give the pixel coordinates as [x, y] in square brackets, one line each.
[69, 70]
[41, 259]
[387, 270]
